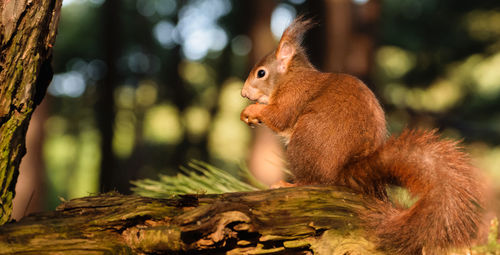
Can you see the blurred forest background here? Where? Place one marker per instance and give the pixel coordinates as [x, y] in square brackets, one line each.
[143, 86]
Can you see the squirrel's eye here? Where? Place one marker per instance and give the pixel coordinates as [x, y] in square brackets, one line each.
[261, 73]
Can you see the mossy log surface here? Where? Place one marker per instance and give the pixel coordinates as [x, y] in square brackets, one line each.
[301, 220]
[27, 34]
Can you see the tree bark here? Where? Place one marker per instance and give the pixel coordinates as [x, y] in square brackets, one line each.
[27, 33]
[301, 220]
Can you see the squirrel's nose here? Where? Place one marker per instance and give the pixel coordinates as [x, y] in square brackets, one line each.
[243, 93]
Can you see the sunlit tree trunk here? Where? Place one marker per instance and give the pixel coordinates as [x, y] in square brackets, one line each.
[266, 160]
[30, 183]
[28, 30]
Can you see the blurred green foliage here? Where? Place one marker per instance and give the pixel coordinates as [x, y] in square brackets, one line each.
[181, 65]
[437, 66]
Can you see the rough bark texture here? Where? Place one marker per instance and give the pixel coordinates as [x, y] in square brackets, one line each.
[303, 220]
[27, 33]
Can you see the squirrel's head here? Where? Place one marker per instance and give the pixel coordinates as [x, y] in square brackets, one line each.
[267, 73]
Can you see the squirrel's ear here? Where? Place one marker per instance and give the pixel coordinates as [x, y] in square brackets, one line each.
[290, 42]
[284, 55]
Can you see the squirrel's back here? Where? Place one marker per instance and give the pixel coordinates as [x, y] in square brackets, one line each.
[340, 124]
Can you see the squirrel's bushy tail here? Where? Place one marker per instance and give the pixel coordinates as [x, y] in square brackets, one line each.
[449, 207]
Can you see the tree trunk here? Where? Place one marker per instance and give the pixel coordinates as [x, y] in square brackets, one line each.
[28, 30]
[30, 188]
[266, 156]
[110, 176]
[347, 36]
[302, 220]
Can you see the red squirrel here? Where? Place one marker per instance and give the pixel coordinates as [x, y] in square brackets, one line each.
[335, 134]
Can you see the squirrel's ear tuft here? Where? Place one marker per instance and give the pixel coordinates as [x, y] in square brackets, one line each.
[295, 31]
[291, 41]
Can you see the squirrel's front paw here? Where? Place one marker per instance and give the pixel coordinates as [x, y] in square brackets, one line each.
[251, 114]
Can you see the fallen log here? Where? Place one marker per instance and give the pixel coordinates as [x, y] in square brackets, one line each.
[300, 220]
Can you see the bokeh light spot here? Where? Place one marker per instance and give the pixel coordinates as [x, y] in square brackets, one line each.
[281, 17]
[394, 62]
[197, 121]
[162, 125]
[146, 93]
[229, 137]
[241, 45]
[124, 133]
[164, 32]
[70, 84]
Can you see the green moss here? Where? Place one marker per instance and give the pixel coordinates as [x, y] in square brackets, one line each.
[339, 243]
[19, 68]
[492, 247]
[6, 201]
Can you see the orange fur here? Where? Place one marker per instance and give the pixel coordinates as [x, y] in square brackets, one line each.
[336, 134]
